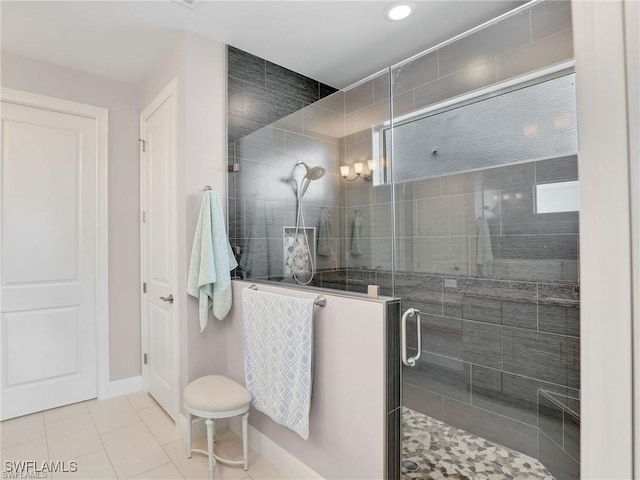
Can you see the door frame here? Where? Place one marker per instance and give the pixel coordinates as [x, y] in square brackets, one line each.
[171, 90]
[101, 116]
[606, 90]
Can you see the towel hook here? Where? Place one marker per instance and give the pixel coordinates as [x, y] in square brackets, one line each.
[207, 187]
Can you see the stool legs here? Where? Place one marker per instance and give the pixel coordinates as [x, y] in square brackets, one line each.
[245, 441]
[211, 433]
[189, 426]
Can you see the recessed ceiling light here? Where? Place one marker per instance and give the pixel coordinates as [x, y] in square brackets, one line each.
[398, 11]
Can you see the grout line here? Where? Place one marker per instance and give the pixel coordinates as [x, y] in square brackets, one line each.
[46, 439]
[93, 421]
[154, 468]
[566, 387]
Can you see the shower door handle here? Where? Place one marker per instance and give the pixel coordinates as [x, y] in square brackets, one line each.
[411, 361]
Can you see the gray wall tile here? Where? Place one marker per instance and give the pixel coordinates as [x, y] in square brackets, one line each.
[543, 53]
[238, 128]
[264, 145]
[482, 344]
[404, 103]
[509, 177]
[423, 289]
[440, 375]
[423, 401]
[433, 216]
[538, 247]
[463, 81]
[572, 435]
[441, 255]
[550, 419]
[442, 336]
[521, 315]
[557, 169]
[558, 319]
[326, 90]
[358, 97]
[265, 106]
[253, 184]
[482, 309]
[235, 102]
[278, 78]
[488, 42]
[552, 358]
[548, 18]
[323, 123]
[246, 67]
[419, 71]
[561, 465]
[424, 188]
[510, 395]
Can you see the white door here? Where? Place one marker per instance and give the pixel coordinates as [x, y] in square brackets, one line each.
[49, 256]
[158, 250]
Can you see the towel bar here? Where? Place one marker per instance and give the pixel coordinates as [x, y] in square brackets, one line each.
[320, 301]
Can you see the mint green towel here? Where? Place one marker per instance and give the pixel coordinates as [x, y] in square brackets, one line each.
[211, 261]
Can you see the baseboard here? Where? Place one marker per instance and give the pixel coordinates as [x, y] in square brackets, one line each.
[289, 465]
[121, 387]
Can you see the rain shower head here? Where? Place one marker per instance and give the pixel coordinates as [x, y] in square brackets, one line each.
[313, 173]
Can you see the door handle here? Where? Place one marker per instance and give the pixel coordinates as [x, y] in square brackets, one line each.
[167, 299]
[411, 361]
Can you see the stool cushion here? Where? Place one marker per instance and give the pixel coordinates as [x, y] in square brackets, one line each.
[216, 393]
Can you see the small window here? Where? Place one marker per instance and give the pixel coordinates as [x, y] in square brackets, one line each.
[558, 197]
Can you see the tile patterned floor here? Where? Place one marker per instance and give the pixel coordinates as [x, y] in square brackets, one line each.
[442, 451]
[127, 437]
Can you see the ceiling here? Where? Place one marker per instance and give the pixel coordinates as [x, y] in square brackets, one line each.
[336, 42]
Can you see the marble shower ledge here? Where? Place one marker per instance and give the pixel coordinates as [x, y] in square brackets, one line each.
[553, 294]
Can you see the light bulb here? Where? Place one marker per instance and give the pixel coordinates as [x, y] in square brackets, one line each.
[344, 171]
[357, 167]
[370, 165]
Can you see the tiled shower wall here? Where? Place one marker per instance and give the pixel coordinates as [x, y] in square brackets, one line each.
[491, 341]
[535, 38]
[266, 138]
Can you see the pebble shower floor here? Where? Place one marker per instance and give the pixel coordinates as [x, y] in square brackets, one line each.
[445, 452]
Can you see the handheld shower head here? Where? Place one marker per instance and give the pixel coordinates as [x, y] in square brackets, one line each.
[312, 173]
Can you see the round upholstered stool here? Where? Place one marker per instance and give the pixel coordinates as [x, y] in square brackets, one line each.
[212, 397]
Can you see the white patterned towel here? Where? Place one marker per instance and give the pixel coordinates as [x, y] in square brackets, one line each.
[278, 356]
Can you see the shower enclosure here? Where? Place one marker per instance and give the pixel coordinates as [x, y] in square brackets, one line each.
[450, 181]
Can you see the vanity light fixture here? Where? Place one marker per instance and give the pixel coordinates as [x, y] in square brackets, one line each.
[358, 169]
[398, 11]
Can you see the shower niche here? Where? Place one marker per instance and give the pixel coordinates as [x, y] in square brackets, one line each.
[299, 253]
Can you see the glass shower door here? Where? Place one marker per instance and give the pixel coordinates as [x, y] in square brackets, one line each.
[486, 221]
